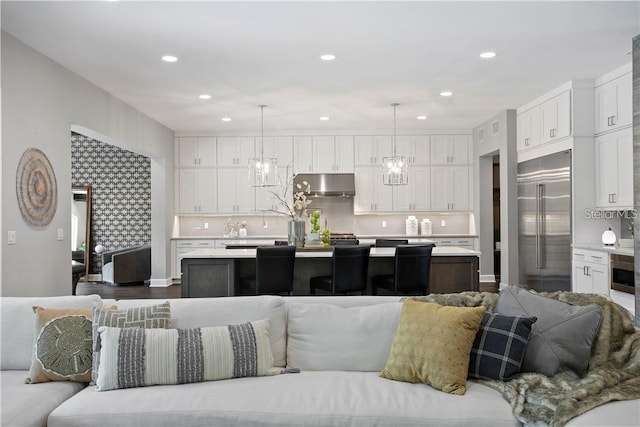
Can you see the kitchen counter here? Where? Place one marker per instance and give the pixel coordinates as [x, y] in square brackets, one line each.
[215, 272]
[359, 236]
[609, 249]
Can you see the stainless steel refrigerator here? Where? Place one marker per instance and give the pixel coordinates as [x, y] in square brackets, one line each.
[544, 231]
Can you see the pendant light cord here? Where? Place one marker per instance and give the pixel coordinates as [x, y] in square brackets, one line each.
[394, 105]
[262, 132]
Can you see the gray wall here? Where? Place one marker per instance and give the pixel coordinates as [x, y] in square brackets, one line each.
[41, 103]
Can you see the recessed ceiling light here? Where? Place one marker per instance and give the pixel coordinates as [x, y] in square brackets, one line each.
[421, 117]
[487, 55]
[324, 118]
[169, 58]
[226, 119]
[446, 93]
[205, 96]
[328, 57]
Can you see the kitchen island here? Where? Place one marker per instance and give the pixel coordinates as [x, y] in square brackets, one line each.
[217, 272]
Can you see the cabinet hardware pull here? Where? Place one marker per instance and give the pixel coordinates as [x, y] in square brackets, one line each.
[552, 133]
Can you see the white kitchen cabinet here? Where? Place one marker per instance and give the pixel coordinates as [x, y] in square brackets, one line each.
[235, 150]
[416, 148]
[196, 151]
[332, 154]
[590, 271]
[415, 195]
[302, 154]
[528, 128]
[197, 191]
[613, 103]
[614, 169]
[278, 147]
[555, 117]
[266, 199]
[370, 149]
[235, 195]
[450, 149]
[183, 246]
[449, 188]
[371, 194]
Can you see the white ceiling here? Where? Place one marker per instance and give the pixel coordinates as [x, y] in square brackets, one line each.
[249, 53]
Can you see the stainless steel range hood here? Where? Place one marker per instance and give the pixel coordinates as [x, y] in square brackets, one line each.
[327, 184]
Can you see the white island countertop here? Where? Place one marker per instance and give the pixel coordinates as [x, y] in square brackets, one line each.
[375, 252]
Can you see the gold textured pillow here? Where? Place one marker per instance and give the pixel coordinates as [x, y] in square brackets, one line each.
[432, 345]
[62, 348]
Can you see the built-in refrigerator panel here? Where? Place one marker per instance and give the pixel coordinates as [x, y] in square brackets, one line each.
[544, 211]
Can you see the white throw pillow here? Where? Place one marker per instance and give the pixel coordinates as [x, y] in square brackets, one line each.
[325, 337]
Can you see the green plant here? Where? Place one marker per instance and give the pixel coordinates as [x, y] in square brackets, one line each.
[326, 234]
[315, 227]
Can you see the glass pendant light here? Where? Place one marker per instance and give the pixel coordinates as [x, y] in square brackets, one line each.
[395, 168]
[262, 170]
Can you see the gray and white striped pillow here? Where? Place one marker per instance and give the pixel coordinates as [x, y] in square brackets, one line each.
[135, 357]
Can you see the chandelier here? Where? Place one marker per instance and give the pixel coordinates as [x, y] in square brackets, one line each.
[262, 170]
[395, 168]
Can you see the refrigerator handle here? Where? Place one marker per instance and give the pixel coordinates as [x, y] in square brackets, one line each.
[539, 224]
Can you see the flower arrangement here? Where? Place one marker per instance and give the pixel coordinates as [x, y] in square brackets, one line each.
[298, 206]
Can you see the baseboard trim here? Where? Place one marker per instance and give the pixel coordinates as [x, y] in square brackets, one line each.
[487, 278]
[160, 283]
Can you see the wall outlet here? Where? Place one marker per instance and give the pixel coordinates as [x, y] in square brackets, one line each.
[11, 237]
[60, 234]
[265, 224]
[443, 223]
[206, 225]
[384, 224]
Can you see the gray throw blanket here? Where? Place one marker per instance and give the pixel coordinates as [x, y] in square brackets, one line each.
[614, 365]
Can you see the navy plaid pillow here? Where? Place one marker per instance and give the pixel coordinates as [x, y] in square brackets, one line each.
[499, 347]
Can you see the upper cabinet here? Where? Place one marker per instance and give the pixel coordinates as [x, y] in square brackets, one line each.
[528, 128]
[613, 100]
[614, 170]
[196, 151]
[369, 150]
[235, 150]
[278, 147]
[323, 154]
[416, 148]
[450, 149]
[555, 117]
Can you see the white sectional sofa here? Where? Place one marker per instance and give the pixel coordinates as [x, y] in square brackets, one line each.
[340, 345]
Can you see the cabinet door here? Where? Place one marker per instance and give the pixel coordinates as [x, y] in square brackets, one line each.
[235, 150]
[528, 128]
[343, 154]
[439, 181]
[187, 151]
[599, 279]
[582, 281]
[234, 193]
[303, 154]
[207, 156]
[364, 199]
[420, 147]
[450, 149]
[415, 195]
[383, 147]
[278, 147]
[187, 189]
[556, 117]
[440, 149]
[206, 194]
[614, 169]
[460, 147]
[323, 154]
[614, 104]
[458, 188]
[364, 151]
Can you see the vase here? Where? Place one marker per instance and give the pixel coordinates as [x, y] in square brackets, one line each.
[295, 232]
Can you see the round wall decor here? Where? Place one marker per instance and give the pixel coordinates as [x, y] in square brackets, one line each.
[36, 188]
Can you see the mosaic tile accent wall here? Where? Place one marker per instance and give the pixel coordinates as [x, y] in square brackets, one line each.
[121, 187]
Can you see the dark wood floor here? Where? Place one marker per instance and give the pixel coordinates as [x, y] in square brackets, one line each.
[135, 291]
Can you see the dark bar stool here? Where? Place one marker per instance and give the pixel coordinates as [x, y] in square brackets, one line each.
[274, 272]
[412, 265]
[349, 271]
[390, 243]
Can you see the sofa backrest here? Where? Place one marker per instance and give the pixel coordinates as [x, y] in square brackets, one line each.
[350, 333]
[200, 312]
[17, 325]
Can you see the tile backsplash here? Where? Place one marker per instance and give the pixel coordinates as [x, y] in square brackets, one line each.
[337, 214]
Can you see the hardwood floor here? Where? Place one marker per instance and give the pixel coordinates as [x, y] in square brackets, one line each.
[141, 291]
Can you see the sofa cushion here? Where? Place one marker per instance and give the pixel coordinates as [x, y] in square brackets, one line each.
[499, 346]
[136, 357]
[17, 320]
[151, 316]
[432, 345]
[62, 347]
[201, 312]
[325, 337]
[29, 405]
[561, 338]
[311, 398]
